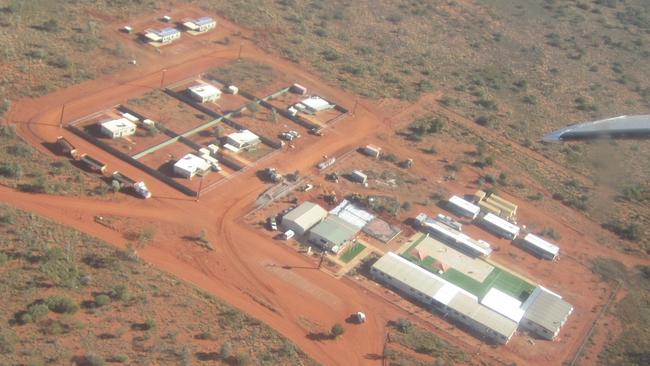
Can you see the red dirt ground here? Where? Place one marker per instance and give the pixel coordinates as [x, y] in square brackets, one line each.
[246, 268]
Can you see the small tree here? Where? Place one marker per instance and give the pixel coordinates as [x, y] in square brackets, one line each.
[253, 108]
[273, 117]
[337, 330]
[101, 300]
[403, 325]
[218, 131]
[225, 351]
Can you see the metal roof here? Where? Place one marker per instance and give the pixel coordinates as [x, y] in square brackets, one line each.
[352, 214]
[465, 205]
[495, 220]
[457, 237]
[503, 304]
[335, 230]
[306, 215]
[167, 31]
[546, 309]
[203, 21]
[119, 124]
[542, 244]
[632, 126]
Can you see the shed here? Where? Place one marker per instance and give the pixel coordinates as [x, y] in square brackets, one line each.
[303, 217]
[545, 313]
[165, 35]
[499, 226]
[313, 105]
[200, 25]
[231, 89]
[372, 150]
[117, 128]
[332, 234]
[463, 207]
[204, 93]
[241, 140]
[358, 176]
[190, 165]
[540, 247]
[298, 89]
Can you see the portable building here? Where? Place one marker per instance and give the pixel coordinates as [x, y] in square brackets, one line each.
[165, 35]
[190, 165]
[204, 93]
[303, 217]
[241, 140]
[200, 25]
[298, 89]
[540, 247]
[93, 164]
[372, 150]
[504, 211]
[440, 295]
[479, 196]
[463, 207]
[499, 226]
[503, 202]
[66, 147]
[487, 207]
[313, 105]
[545, 312]
[455, 238]
[118, 128]
[332, 234]
[231, 89]
[358, 176]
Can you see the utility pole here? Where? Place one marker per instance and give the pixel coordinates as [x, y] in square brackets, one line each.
[61, 118]
[322, 258]
[354, 109]
[162, 78]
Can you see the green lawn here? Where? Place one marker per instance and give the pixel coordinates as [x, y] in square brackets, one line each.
[503, 280]
[354, 250]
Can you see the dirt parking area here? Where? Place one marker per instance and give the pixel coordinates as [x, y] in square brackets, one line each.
[168, 111]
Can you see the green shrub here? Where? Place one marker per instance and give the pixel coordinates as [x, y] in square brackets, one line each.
[61, 304]
[426, 126]
[92, 359]
[149, 324]
[337, 330]
[37, 311]
[119, 292]
[11, 170]
[3, 258]
[403, 325]
[101, 300]
[242, 359]
[225, 351]
[119, 358]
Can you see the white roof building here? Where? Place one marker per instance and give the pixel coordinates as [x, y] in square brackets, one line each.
[444, 296]
[118, 128]
[540, 247]
[545, 313]
[457, 239]
[242, 139]
[165, 35]
[463, 207]
[200, 25]
[204, 92]
[189, 165]
[303, 217]
[499, 226]
[503, 304]
[314, 104]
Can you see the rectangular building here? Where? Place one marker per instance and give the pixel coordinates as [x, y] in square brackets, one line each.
[204, 93]
[332, 234]
[200, 25]
[540, 247]
[165, 35]
[438, 294]
[190, 165]
[474, 248]
[241, 140]
[545, 313]
[118, 128]
[462, 207]
[487, 207]
[303, 217]
[499, 226]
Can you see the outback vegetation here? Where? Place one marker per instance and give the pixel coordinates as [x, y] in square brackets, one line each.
[76, 299]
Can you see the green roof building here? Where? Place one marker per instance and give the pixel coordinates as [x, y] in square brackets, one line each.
[332, 234]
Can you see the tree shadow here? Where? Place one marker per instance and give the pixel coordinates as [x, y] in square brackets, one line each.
[373, 356]
[319, 336]
[208, 356]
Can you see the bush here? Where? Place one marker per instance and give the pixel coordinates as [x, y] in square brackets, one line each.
[225, 351]
[92, 359]
[119, 358]
[3, 258]
[20, 150]
[242, 359]
[119, 292]
[61, 304]
[102, 300]
[484, 120]
[403, 325]
[51, 26]
[149, 324]
[551, 233]
[337, 330]
[426, 126]
[37, 311]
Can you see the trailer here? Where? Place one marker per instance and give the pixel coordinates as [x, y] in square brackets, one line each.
[462, 207]
[66, 147]
[326, 163]
[93, 164]
[138, 187]
[499, 226]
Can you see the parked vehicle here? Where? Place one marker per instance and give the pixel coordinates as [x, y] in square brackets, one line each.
[288, 235]
[272, 224]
